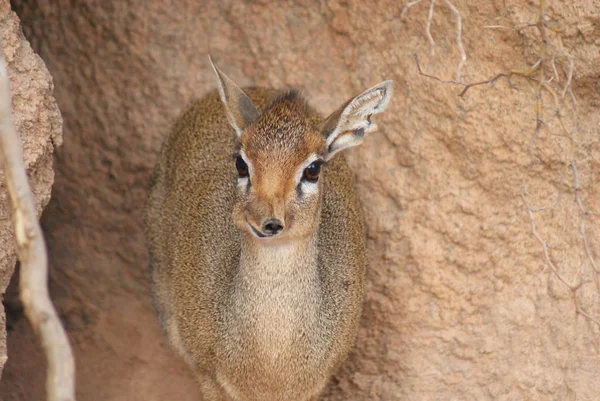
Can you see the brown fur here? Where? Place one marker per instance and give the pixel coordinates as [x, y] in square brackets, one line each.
[254, 322]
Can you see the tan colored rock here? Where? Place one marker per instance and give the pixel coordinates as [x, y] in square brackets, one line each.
[38, 121]
[460, 303]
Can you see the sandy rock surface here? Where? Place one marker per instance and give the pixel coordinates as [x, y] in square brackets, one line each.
[461, 304]
[38, 122]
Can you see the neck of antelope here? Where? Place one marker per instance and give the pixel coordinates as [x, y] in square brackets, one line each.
[277, 258]
[276, 294]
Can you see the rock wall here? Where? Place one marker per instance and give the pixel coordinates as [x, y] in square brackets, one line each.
[461, 304]
[38, 121]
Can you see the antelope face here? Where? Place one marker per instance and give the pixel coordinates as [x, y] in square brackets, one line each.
[280, 179]
[281, 152]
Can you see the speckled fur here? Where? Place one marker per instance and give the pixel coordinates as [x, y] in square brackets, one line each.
[209, 302]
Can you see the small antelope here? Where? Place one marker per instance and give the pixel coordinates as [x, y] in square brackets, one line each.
[257, 240]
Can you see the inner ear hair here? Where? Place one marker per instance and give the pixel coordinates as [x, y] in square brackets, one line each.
[347, 126]
[239, 109]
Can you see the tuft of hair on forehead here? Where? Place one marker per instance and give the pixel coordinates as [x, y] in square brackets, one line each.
[292, 98]
[285, 124]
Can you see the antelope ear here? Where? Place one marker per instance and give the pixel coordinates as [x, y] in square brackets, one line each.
[240, 110]
[347, 126]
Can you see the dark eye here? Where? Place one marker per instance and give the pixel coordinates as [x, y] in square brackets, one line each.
[241, 167]
[311, 173]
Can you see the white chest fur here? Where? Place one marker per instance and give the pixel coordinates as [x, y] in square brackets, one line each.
[275, 302]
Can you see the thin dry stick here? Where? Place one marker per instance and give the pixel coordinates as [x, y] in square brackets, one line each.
[584, 214]
[584, 313]
[459, 43]
[461, 48]
[60, 384]
[537, 74]
[428, 26]
[409, 5]
[543, 84]
[545, 246]
[539, 122]
[569, 78]
[465, 84]
[497, 27]
[554, 70]
[550, 263]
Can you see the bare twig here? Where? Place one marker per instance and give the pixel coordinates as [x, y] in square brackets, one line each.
[539, 123]
[554, 70]
[543, 243]
[486, 82]
[572, 287]
[584, 214]
[453, 82]
[459, 42]
[461, 48]
[497, 27]
[584, 313]
[434, 77]
[32, 254]
[545, 75]
[516, 29]
[409, 5]
[428, 26]
[567, 87]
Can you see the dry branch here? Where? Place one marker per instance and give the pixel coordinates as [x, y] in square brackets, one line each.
[428, 26]
[409, 5]
[584, 214]
[466, 85]
[31, 249]
[544, 244]
[459, 43]
[575, 286]
[545, 66]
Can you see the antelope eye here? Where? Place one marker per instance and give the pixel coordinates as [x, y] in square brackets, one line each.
[241, 166]
[311, 173]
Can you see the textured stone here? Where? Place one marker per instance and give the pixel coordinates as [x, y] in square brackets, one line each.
[460, 303]
[38, 122]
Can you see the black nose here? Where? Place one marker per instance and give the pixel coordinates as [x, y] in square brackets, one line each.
[272, 227]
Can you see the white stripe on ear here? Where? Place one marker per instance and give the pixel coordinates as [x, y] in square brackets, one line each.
[347, 126]
[240, 110]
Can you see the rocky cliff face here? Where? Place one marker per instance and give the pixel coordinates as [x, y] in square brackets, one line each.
[461, 302]
[38, 121]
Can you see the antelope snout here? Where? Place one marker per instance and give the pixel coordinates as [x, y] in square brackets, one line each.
[272, 227]
[266, 216]
[269, 228]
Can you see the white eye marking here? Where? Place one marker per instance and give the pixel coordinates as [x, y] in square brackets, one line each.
[307, 187]
[304, 165]
[242, 183]
[245, 157]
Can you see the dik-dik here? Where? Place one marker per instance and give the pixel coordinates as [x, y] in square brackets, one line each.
[257, 240]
